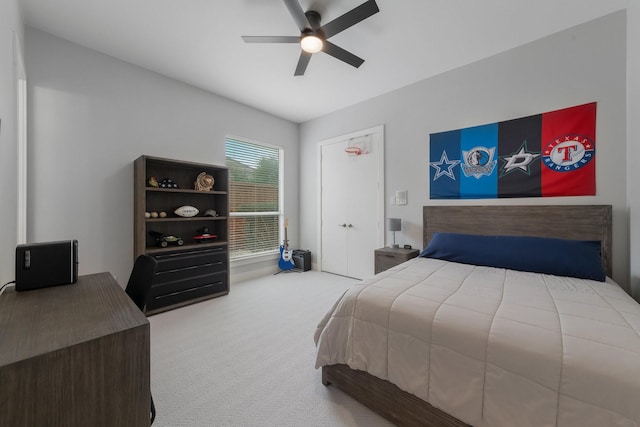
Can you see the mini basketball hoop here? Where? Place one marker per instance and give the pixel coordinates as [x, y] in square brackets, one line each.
[353, 150]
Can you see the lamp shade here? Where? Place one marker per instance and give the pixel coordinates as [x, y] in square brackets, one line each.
[311, 43]
[394, 224]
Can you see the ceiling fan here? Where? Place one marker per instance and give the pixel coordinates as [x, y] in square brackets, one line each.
[313, 36]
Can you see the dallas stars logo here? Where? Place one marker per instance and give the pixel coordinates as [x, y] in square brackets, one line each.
[520, 160]
[444, 167]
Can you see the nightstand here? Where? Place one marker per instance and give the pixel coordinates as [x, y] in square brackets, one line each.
[386, 258]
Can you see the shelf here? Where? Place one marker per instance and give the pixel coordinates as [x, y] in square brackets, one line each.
[180, 219]
[185, 191]
[187, 246]
[194, 271]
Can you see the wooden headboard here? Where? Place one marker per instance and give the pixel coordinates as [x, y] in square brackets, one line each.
[577, 222]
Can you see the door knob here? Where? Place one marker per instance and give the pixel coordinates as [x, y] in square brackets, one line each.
[342, 225]
[350, 226]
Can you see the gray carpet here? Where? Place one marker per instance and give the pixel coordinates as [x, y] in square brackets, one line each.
[247, 358]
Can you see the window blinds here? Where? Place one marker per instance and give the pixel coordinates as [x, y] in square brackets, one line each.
[254, 197]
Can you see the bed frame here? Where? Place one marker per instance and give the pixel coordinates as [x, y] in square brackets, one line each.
[578, 222]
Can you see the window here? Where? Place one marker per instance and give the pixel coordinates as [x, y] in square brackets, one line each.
[255, 195]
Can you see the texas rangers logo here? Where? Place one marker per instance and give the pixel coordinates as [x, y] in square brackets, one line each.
[568, 153]
[478, 162]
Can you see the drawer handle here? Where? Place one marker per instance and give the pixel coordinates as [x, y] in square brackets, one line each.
[209, 264]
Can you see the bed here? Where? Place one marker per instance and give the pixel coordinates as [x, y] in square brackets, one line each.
[434, 342]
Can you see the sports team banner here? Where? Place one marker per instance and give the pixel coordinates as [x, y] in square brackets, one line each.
[545, 155]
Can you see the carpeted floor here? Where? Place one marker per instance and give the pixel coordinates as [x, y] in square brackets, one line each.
[247, 358]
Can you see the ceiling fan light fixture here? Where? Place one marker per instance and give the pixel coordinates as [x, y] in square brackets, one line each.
[314, 36]
[311, 43]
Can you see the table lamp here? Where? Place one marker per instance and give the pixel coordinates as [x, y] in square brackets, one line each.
[394, 224]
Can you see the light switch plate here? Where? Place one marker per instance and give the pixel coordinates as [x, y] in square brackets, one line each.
[401, 197]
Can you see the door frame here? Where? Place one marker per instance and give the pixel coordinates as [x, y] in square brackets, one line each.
[377, 134]
[21, 126]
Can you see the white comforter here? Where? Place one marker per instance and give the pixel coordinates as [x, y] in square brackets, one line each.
[493, 347]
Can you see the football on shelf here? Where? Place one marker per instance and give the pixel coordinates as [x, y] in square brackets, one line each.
[186, 211]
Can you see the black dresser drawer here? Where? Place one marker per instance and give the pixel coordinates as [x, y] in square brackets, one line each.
[178, 274]
[185, 259]
[187, 288]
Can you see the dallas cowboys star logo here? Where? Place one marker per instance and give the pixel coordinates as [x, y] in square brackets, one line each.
[446, 170]
[520, 160]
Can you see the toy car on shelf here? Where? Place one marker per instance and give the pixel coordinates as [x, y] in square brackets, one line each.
[164, 240]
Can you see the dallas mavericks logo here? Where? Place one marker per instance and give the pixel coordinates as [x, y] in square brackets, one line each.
[478, 162]
[568, 153]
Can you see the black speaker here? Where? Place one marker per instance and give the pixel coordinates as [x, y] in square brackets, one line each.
[302, 259]
[40, 265]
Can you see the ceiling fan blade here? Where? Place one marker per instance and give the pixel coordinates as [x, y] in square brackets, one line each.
[298, 14]
[350, 18]
[271, 39]
[302, 63]
[341, 54]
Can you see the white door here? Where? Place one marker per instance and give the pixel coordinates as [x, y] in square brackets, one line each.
[352, 204]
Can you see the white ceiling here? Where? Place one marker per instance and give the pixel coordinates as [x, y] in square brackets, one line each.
[198, 42]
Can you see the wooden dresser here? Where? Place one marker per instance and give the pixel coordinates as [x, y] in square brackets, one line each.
[73, 355]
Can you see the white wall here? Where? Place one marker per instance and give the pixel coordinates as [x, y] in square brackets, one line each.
[91, 116]
[633, 139]
[582, 64]
[10, 26]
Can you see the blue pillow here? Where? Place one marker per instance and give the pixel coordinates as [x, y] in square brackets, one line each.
[573, 258]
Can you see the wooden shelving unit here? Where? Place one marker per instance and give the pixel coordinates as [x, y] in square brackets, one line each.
[193, 271]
